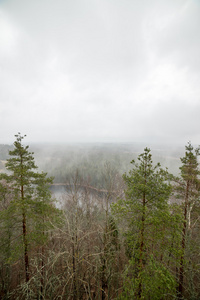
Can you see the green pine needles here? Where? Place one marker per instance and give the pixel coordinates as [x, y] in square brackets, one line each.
[29, 211]
[150, 231]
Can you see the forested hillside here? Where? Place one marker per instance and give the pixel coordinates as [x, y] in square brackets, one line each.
[128, 228]
[61, 161]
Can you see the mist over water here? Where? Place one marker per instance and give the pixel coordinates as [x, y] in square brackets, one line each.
[92, 84]
[90, 158]
[90, 161]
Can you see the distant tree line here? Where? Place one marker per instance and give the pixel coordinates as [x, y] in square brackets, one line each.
[62, 162]
[137, 240]
[4, 150]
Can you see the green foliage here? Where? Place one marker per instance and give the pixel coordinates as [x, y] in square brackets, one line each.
[189, 168]
[148, 179]
[150, 231]
[132, 251]
[188, 190]
[29, 213]
[158, 281]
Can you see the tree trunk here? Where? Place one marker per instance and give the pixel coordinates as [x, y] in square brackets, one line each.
[26, 258]
[42, 274]
[181, 269]
[141, 255]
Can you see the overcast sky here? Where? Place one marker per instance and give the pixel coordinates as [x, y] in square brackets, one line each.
[100, 70]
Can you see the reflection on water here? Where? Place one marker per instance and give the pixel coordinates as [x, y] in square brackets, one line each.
[62, 193]
[59, 193]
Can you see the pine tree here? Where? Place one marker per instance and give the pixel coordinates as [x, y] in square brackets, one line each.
[146, 212]
[31, 201]
[189, 189]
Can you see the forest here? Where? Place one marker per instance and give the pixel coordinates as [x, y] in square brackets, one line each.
[125, 227]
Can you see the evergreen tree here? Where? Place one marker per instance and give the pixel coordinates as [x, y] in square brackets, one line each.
[31, 203]
[146, 212]
[189, 190]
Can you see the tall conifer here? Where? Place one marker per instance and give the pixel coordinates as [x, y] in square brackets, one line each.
[189, 189]
[146, 212]
[31, 198]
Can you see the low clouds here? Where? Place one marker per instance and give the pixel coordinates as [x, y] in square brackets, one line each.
[100, 70]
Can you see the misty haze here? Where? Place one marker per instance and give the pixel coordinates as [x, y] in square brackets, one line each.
[99, 149]
[100, 71]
